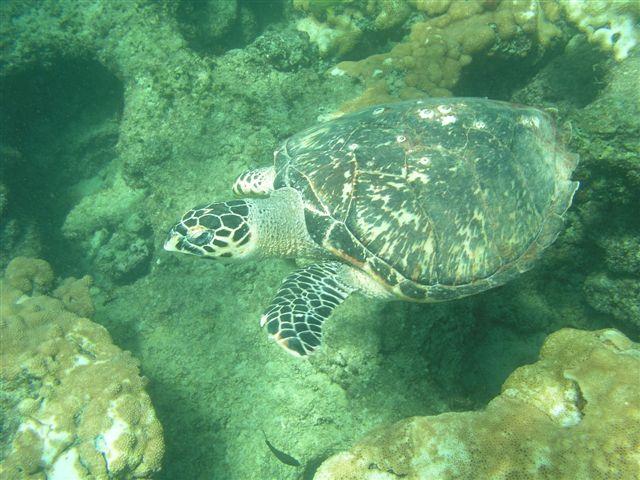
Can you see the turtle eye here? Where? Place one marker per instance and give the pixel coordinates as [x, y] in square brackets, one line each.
[200, 238]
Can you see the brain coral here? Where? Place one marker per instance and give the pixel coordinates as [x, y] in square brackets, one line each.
[574, 414]
[73, 404]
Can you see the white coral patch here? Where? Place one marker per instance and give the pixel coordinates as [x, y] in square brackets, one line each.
[78, 361]
[319, 33]
[620, 37]
[444, 109]
[479, 125]
[109, 438]
[448, 119]
[562, 407]
[53, 438]
[610, 23]
[67, 467]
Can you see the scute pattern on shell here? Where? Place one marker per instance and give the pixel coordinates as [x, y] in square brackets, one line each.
[436, 198]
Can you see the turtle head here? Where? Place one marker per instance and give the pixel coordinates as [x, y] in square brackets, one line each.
[218, 230]
[272, 226]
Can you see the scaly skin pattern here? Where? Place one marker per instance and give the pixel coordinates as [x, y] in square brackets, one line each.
[304, 301]
[216, 230]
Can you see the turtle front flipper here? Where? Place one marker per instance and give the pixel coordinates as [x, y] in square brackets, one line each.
[257, 182]
[304, 301]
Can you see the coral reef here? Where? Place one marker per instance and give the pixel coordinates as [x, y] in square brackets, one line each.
[338, 27]
[163, 104]
[573, 414]
[73, 404]
[121, 114]
[113, 235]
[618, 297]
[607, 134]
[75, 295]
[430, 59]
[609, 23]
[28, 275]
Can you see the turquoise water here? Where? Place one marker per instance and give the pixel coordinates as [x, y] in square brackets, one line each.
[118, 116]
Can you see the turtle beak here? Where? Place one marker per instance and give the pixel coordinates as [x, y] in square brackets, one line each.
[178, 241]
[175, 241]
[172, 243]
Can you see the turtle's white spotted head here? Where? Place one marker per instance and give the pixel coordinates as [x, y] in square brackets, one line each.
[218, 230]
[250, 228]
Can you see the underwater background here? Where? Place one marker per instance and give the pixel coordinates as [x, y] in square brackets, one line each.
[116, 116]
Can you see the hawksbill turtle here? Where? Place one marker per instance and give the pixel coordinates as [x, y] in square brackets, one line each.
[424, 200]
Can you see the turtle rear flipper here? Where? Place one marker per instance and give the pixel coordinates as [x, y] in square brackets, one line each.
[306, 298]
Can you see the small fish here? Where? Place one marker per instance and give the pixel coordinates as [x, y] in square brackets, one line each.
[280, 455]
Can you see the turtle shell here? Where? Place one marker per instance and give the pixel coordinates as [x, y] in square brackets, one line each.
[436, 198]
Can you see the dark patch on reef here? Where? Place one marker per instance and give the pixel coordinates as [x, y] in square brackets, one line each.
[212, 27]
[551, 74]
[507, 68]
[59, 128]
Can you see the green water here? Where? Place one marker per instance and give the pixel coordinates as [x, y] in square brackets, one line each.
[117, 116]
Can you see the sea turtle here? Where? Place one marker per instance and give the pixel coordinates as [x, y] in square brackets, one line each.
[423, 200]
